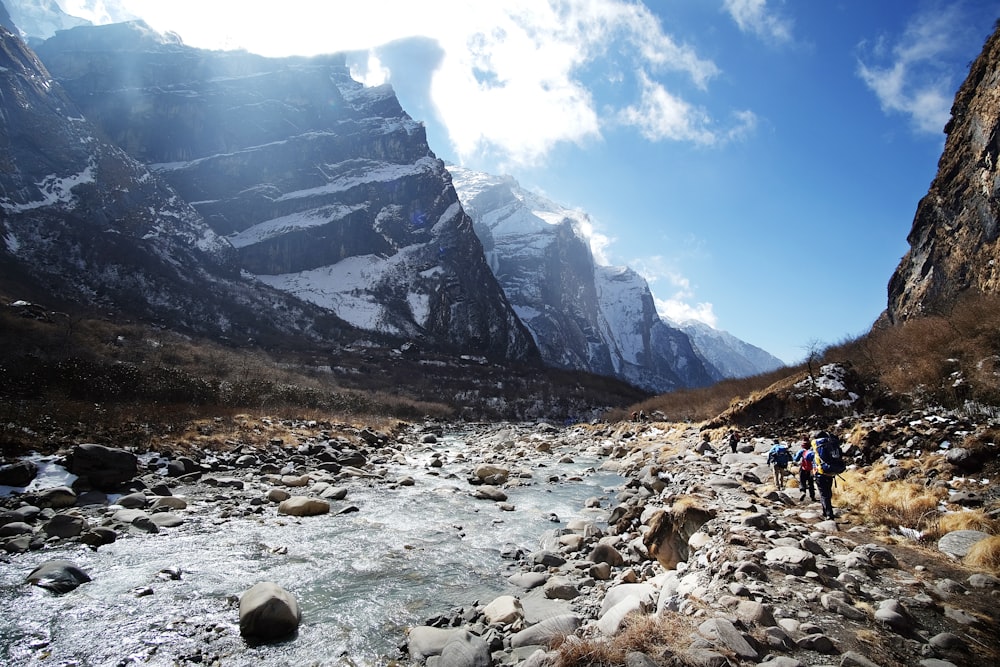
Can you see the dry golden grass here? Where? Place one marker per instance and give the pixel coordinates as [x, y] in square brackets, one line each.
[887, 503]
[653, 635]
[985, 555]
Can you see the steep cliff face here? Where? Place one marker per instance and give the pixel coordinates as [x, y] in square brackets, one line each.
[582, 316]
[82, 221]
[326, 190]
[955, 239]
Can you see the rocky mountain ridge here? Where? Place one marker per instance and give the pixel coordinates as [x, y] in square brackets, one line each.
[955, 238]
[582, 314]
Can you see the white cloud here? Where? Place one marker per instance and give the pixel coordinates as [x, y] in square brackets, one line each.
[912, 78]
[514, 81]
[754, 16]
[680, 305]
[661, 115]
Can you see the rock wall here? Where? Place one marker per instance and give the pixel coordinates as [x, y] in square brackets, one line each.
[955, 239]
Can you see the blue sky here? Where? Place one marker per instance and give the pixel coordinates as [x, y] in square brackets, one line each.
[759, 161]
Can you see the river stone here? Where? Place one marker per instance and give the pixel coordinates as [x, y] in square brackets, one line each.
[547, 630]
[560, 588]
[489, 492]
[504, 610]
[58, 576]
[605, 553]
[958, 542]
[166, 520]
[424, 641]
[303, 506]
[99, 536]
[65, 525]
[278, 495]
[106, 468]
[15, 528]
[465, 649]
[128, 515]
[491, 474]
[137, 500]
[268, 611]
[644, 594]
[168, 502]
[528, 580]
[611, 619]
[18, 474]
[57, 497]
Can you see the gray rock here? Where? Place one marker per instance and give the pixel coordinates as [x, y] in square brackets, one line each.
[65, 525]
[946, 641]
[781, 661]
[855, 659]
[817, 642]
[545, 631]
[166, 520]
[980, 580]
[58, 576]
[268, 612]
[892, 614]
[303, 506]
[465, 649]
[15, 528]
[752, 612]
[958, 542]
[560, 588]
[424, 641]
[875, 555]
[726, 634]
[791, 560]
[57, 497]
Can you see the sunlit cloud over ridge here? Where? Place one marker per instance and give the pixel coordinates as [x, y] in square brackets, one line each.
[908, 75]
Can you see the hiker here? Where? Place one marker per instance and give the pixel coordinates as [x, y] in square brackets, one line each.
[734, 439]
[805, 457]
[778, 458]
[827, 460]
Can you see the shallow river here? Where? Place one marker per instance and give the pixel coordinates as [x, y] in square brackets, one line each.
[361, 578]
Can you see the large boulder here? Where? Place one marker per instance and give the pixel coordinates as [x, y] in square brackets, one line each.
[106, 468]
[58, 576]
[268, 612]
[18, 474]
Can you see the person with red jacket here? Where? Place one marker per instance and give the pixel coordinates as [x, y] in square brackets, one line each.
[805, 458]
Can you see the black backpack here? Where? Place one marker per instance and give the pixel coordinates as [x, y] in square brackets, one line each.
[829, 456]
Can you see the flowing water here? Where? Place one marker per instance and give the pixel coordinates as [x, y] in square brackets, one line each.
[361, 578]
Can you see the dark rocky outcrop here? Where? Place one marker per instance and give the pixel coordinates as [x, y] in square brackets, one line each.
[955, 239]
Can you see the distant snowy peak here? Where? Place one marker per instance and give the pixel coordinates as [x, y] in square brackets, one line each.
[584, 315]
[732, 357]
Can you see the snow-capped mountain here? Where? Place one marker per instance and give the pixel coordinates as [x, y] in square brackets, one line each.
[732, 357]
[599, 319]
[37, 20]
[321, 188]
[582, 315]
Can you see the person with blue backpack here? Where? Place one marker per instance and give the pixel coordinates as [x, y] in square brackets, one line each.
[778, 457]
[828, 460]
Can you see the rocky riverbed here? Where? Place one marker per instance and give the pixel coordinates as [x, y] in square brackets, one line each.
[695, 544]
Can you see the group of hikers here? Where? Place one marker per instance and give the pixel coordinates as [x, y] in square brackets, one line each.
[819, 459]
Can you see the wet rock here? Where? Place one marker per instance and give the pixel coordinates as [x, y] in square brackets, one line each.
[136, 500]
[15, 528]
[268, 612]
[19, 474]
[57, 497]
[98, 536]
[58, 576]
[65, 525]
[303, 506]
[106, 468]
